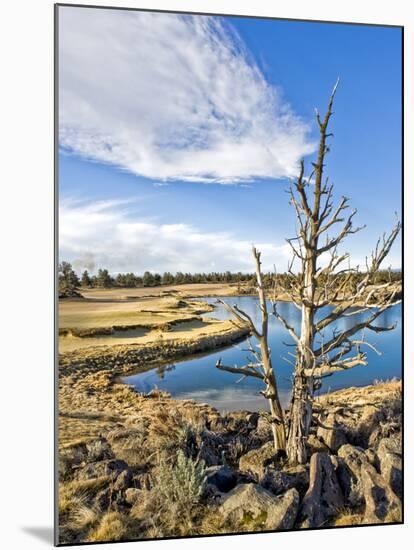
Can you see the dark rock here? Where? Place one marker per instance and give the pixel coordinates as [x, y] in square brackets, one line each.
[363, 485]
[103, 468]
[382, 505]
[223, 477]
[216, 423]
[264, 428]
[99, 449]
[257, 460]
[278, 480]
[123, 480]
[330, 433]
[103, 499]
[210, 447]
[236, 421]
[315, 445]
[386, 423]
[351, 460]
[372, 457]
[390, 463]
[324, 495]
[252, 420]
[237, 446]
[251, 507]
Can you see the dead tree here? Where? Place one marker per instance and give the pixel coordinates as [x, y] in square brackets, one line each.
[321, 350]
[261, 365]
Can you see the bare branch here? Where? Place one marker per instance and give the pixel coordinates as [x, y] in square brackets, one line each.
[288, 327]
[247, 370]
[381, 251]
[343, 336]
[328, 369]
[301, 190]
[343, 205]
[242, 316]
[346, 230]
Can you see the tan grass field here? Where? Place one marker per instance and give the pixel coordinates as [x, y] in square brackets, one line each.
[108, 317]
[185, 291]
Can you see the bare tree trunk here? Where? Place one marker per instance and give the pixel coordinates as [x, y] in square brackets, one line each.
[263, 368]
[271, 392]
[299, 422]
[301, 412]
[302, 391]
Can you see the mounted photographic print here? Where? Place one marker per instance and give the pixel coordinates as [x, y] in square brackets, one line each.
[229, 274]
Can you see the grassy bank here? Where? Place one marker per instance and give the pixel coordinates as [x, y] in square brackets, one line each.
[146, 466]
[139, 466]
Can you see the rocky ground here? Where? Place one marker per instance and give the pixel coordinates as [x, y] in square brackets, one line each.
[145, 466]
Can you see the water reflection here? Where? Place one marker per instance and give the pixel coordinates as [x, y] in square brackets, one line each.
[198, 378]
[162, 369]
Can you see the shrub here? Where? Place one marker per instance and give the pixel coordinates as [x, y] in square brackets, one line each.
[182, 484]
[172, 507]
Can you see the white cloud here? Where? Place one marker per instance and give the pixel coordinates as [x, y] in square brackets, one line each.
[102, 234]
[171, 97]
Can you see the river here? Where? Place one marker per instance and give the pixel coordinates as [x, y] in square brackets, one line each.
[197, 378]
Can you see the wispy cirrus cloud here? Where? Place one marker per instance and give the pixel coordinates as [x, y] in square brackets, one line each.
[100, 234]
[171, 97]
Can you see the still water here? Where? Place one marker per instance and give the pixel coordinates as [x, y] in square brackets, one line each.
[198, 379]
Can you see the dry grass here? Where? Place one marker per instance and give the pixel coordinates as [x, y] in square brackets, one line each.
[188, 290]
[112, 526]
[90, 314]
[86, 324]
[76, 511]
[347, 517]
[75, 430]
[393, 516]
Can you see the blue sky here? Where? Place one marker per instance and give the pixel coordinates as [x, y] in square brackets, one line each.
[161, 166]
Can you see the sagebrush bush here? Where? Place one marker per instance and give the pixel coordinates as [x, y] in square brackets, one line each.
[172, 506]
[184, 483]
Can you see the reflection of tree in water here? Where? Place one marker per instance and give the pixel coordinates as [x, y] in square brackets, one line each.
[162, 369]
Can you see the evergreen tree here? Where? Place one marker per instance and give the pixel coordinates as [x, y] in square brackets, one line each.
[86, 280]
[104, 280]
[68, 281]
[167, 278]
[148, 279]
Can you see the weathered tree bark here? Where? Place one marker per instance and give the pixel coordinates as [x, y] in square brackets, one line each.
[262, 368]
[271, 392]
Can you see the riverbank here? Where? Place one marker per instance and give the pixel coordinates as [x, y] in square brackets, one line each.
[121, 454]
[88, 375]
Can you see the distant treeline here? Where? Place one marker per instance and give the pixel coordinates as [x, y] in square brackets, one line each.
[69, 280]
[129, 280]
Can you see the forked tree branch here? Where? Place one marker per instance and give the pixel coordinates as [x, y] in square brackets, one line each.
[247, 370]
